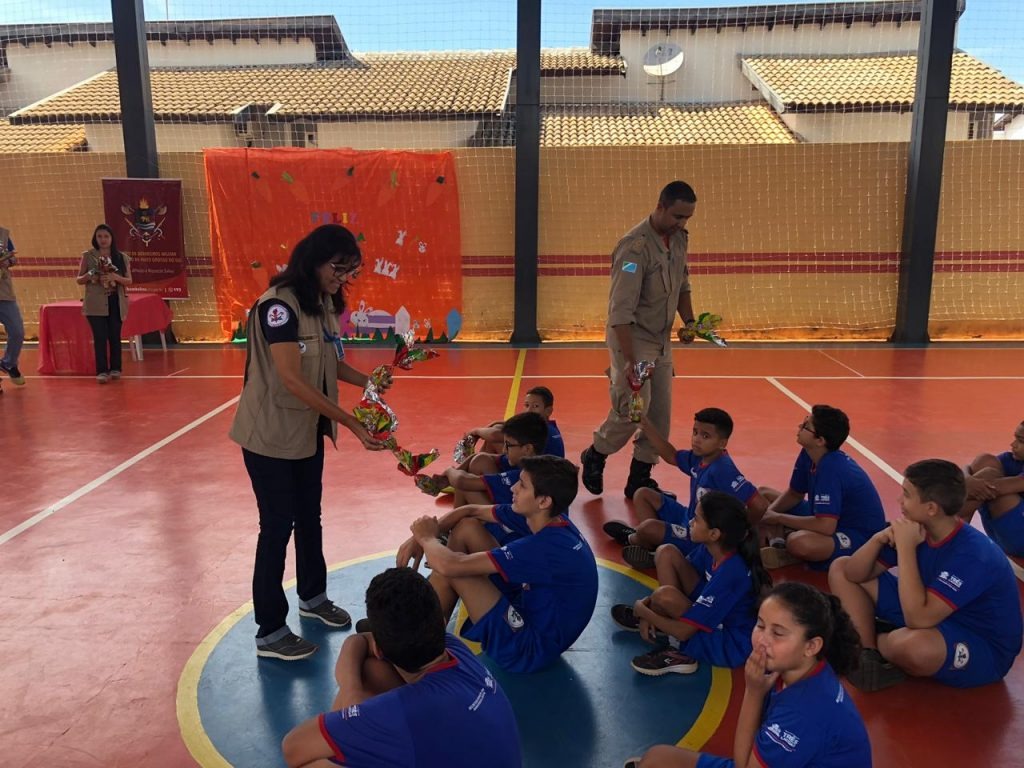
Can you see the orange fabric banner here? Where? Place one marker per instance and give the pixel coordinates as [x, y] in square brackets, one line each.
[403, 207]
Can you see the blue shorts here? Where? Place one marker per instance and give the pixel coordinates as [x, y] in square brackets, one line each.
[678, 535]
[845, 541]
[1007, 530]
[719, 648]
[970, 659]
[501, 535]
[713, 761]
[507, 636]
[671, 511]
[499, 492]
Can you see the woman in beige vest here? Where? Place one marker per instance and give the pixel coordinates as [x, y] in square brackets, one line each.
[105, 271]
[289, 403]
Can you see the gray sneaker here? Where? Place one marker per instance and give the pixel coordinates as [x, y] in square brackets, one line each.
[291, 647]
[875, 672]
[329, 614]
[638, 557]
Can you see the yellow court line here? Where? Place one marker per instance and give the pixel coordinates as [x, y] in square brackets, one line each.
[187, 701]
[717, 702]
[513, 393]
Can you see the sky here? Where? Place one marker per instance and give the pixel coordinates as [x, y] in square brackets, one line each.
[992, 30]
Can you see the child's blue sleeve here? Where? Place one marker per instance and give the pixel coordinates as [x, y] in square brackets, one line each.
[684, 460]
[799, 481]
[504, 515]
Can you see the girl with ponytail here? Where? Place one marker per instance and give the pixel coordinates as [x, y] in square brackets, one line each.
[795, 712]
[706, 602]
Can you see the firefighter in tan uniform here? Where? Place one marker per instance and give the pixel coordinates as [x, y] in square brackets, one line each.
[650, 285]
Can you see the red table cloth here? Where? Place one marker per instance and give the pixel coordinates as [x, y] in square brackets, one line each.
[65, 339]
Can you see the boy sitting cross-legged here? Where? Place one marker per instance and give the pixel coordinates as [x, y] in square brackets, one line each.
[529, 600]
[995, 488]
[662, 519]
[539, 400]
[955, 602]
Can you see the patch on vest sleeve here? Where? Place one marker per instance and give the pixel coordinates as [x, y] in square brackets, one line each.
[629, 266]
[277, 315]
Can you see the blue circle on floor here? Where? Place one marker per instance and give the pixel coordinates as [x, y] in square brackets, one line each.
[588, 709]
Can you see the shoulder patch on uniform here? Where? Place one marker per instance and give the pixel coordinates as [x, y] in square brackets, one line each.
[629, 266]
[277, 315]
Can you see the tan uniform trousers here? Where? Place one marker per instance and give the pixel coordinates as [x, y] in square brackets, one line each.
[617, 429]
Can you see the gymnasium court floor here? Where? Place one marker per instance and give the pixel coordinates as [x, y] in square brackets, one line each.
[128, 526]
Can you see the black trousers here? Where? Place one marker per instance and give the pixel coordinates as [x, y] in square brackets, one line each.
[288, 493]
[106, 332]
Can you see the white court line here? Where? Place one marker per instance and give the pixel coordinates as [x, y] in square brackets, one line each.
[104, 478]
[840, 362]
[863, 450]
[176, 372]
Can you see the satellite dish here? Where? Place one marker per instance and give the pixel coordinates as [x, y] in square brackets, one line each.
[663, 59]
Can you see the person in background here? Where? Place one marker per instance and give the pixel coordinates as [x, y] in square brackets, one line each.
[105, 272]
[10, 315]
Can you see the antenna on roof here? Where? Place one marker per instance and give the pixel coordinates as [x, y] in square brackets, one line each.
[663, 59]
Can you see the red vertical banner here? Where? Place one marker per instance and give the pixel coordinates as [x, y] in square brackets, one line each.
[145, 215]
[402, 207]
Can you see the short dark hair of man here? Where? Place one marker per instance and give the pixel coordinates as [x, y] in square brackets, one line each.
[527, 429]
[716, 417]
[676, 191]
[405, 618]
[554, 477]
[939, 481]
[831, 424]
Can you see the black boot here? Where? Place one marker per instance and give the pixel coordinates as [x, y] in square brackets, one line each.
[593, 470]
[639, 477]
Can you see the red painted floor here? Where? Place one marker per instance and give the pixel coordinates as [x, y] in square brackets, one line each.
[105, 599]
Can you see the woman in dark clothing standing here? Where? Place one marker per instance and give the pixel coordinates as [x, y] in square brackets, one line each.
[105, 272]
[289, 403]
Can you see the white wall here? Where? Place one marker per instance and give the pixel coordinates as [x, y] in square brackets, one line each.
[107, 137]
[711, 70]
[1015, 129]
[395, 134]
[192, 137]
[865, 127]
[37, 71]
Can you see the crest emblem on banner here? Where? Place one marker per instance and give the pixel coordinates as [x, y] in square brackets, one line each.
[145, 221]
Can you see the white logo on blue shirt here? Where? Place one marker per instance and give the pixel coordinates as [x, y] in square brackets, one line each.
[961, 655]
[950, 580]
[680, 531]
[706, 600]
[514, 619]
[785, 739]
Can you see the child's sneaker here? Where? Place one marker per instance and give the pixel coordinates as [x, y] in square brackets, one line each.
[329, 614]
[14, 373]
[619, 531]
[777, 557]
[664, 661]
[291, 647]
[632, 762]
[875, 672]
[363, 626]
[638, 557]
[624, 616]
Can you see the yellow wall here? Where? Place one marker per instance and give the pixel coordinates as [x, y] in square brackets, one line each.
[827, 200]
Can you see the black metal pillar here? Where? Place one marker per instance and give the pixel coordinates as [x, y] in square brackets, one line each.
[133, 84]
[924, 170]
[527, 171]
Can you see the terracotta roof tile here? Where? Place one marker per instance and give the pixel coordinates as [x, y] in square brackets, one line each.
[400, 84]
[884, 80]
[661, 125]
[41, 138]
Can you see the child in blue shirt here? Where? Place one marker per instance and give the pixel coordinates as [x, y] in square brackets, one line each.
[492, 459]
[398, 682]
[525, 434]
[706, 601]
[662, 519]
[955, 602]
[842, 510]
[995, 488]
[795, 711]
[529, 600]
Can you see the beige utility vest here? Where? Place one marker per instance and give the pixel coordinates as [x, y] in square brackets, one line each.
[270, 420]
[95, 302]
[6, 284]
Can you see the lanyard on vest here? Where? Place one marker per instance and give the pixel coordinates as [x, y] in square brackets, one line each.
[334, 339]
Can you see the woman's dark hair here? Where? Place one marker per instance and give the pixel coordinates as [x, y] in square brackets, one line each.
[330, 242]
[729, 515]
[116, 257]
[822, 616]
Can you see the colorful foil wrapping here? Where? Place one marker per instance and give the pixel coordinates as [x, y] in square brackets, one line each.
[706, 328]
[640, 373]
[465, 448]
